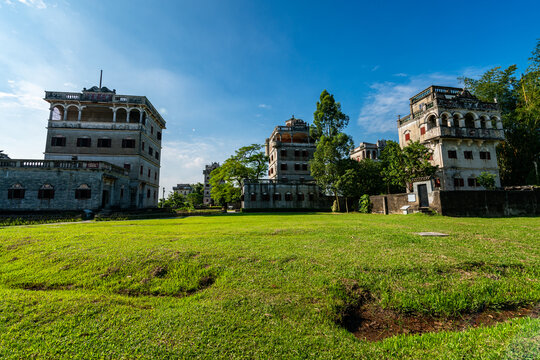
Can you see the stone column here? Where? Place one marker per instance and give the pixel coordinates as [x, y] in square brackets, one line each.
[80, 114]
[477, 124]
[499, 124]
[51, 110]
[140, 116]
[461, 122]
[114, 114]
[439, 121]
[127, 115]
[65, 113]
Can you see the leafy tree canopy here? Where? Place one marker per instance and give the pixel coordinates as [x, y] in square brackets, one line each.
[328, 119]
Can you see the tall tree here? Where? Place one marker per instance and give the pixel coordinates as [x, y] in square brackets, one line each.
[401, 166]
[249, 162]
[333, 146]
[359, 178]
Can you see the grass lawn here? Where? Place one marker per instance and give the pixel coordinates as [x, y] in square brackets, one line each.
[264, 286]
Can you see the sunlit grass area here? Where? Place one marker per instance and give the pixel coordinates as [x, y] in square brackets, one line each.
[264, 286]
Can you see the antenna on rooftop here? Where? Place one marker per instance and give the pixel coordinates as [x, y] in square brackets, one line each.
[100, 77]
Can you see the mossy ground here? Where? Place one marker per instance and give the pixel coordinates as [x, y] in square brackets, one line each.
[263, 286]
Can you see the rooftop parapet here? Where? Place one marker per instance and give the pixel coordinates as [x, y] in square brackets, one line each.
[62, 164]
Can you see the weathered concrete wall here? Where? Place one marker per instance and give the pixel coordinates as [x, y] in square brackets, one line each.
[64, 182]
[262, 197]
[489, 203]
[466, 203]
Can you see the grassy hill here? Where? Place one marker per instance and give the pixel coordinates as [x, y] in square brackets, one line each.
[270, 286]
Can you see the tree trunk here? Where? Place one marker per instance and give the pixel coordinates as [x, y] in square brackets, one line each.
[347, 204]
[337, 201]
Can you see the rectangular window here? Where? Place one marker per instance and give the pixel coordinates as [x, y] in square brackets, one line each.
[121, 193]
[459, 182]
[297, 153]
[468, 155]
[148, 193]
[422, 130]
[157, 155]
[155, 176]
[452, 154]
[265, 197]
[104, 143]
[58, 141]
[253, 197]
[277, 197]
[283, 166]
[311, 196]
[46, 194]
[407, 136]
[296, 166]
[300, 197]
[471, 182]
[84, 142]
[152, 130]
[127, 166]
[304, 167]
[158, 135]
[16, 193]
[283, 153]
[83, 194]
[143, 145]
[142, 169]
[485, 155]
[149, 172]
[304, 154]
[288, 197]
[128, 143]
[150, 151]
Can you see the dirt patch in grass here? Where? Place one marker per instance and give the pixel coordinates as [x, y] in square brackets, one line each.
[372, 323]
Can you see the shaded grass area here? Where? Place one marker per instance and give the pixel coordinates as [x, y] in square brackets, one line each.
[264, 286]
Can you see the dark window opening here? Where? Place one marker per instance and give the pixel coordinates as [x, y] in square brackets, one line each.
[459, 182]
[283, 153]
[468, 155]
[311, 196]
[300, 197]
[296, 166]
[472, 182]
[407, 136]
[283, 166]
[46, 194]
[452, 154]
[83, 194]
[128, 143]
[58, 141]
[152, 130]
[16, 193]
[148, 193]
[122, 193]
[84, 142]
[304, 154]
[437, 182]
[150, 151]
[277, 197]
[265, 197]
[485, 155]
[288, 197]
[304, 167]
[143, 145]
[149, 172]
[142, 169]
[104, 143]
[253, 197]
[297, 153]
[157, 155]
[127, 166]
[158, 135]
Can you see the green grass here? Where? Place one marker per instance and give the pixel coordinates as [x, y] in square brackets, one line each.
[263, 286]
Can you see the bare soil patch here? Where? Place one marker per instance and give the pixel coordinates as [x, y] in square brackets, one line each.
[372, 323]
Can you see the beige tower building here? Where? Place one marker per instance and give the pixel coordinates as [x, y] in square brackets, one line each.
[461, 130]
[289, 149]
[99, 125]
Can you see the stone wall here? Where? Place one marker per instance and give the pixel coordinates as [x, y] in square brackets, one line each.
[272, 195]
[64, 182]
[466, 203]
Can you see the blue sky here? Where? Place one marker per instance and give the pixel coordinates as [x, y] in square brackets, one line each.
[224, 73]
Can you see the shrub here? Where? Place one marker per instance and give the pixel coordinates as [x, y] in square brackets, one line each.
[487, 180]
[364, 204]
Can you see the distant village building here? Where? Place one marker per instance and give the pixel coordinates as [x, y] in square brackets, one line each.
[183, 189]
[368, 150]
[103, 150]
[207, 194]
[289, 149]
[290, 185]
[461, 130]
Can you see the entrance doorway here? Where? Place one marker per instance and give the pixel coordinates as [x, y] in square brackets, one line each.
[105, 199]
[423, 195]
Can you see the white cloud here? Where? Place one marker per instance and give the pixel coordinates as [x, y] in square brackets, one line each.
[265, 106]
[387, 100]
[39, 4]
[400, 75]
[375, 68]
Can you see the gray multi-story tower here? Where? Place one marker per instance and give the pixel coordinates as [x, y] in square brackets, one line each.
[289, 149]
[207, 195]
[99, 125]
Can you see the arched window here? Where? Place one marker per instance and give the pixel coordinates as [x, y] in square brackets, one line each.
[121, 115]
[288, 196]
[16, 191]
[83, 192]
[46, 192]
[277, 196]
[57, 113]
[300, 196]
[72, 113]
[469, 121]
[431, 122]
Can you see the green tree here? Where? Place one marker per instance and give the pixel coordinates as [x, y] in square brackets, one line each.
[174, 201]
[359, 178]
[487, 180]
[401, 166]
[195, 198]
[331, 155]
[249, 162]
